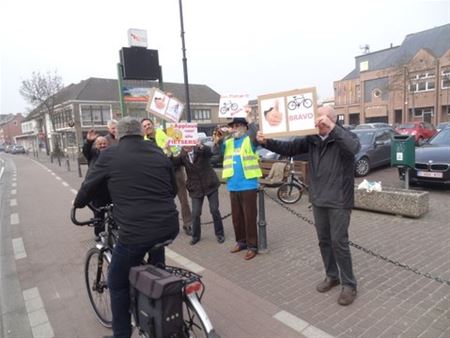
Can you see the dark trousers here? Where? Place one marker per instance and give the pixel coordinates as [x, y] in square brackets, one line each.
[124, 257]
[197, 205]
[332, 230]
[186, 215]
[243, 214]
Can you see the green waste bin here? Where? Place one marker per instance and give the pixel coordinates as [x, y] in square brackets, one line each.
[403, 151]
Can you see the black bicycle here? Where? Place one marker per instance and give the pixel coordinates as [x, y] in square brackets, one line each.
[292, 190]
[298, 101]
[196, 322]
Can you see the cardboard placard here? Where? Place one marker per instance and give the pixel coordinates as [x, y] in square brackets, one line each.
[232, 106]
[289, 113]
[182, 134]
[163, 106]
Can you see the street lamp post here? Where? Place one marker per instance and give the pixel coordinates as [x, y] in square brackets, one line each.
[186, 82]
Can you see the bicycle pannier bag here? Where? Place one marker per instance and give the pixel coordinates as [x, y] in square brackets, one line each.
[157, 296]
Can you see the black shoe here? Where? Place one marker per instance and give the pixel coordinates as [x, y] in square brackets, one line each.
[347, 296]
[187, 230]
[194, 241]
[220, 239]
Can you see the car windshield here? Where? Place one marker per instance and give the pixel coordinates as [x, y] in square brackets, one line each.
[442, 139]
[366, 137]
[407, 126]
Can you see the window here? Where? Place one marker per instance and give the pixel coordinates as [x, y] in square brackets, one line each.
[202, 114]
[446, 79]
[95, 115]
[363, 66]
[62, 118]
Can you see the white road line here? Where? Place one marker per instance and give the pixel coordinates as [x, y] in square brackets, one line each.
[37, 316]
[13, 202]
[300, 325]
[65, 184]
[74, 191]
[14, 218]
[13, 184]
[188, 264]
[19, 248]
[58, 178]
[13, 191]
[1, 172]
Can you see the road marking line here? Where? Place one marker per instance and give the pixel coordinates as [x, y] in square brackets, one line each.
[13, 184]
[37, 315]
[14, 218]
[19, 248]
[65, 184]
[13, 202]
[13, 191]
[300, 325]
[1, 172]
[74, 191]
[58, 178]
[194, 267]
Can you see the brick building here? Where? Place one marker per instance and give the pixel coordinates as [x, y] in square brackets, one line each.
[410, 82]
[10, 127]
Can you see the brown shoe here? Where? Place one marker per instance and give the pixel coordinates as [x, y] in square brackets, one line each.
[250, 255]
[237, 248]
[347, 296]
[327, 284]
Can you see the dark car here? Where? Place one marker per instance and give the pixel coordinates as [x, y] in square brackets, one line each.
[375, 149]
[422, 131]
[432, 164]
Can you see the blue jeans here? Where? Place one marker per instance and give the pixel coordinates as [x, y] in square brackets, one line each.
[124, 257]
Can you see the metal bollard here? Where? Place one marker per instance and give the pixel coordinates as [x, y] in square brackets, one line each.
[262, 236]
[79, 169]
[68, 163]
[59, 160]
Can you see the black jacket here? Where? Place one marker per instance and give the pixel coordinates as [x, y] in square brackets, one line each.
[201, 179]
[331, 165]
[142, 185]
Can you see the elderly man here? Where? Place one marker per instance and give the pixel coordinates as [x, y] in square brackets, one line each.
[112, 132]
[139, 170]
[331, 157]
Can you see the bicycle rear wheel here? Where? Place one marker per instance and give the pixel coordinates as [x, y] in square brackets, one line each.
[96, 277]
[289, 193]
[196, 321]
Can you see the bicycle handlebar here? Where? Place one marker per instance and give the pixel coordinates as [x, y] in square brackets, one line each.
[91, 221]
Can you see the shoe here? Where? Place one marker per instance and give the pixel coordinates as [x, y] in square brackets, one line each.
[97, 239]
[220, 239]
[194, 241]
[237, 248]
[347, 296]
[187, 230]
[250, 255]
[327, 284]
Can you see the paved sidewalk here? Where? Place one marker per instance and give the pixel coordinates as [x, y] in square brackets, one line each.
[392, 301]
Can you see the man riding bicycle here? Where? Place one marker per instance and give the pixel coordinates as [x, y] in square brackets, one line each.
[142, 185]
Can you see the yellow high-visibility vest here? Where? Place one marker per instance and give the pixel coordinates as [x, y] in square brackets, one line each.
[248, 158]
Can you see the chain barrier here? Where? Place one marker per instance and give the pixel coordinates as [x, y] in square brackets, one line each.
[363, 249]
[211, 222]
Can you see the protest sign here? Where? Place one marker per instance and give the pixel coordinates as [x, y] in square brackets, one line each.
[163, 106]
[232, 106]
[182, 134]
[289, 113]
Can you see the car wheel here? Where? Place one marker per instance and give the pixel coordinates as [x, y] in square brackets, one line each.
[362, 167]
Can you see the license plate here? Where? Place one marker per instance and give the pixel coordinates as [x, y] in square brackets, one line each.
[429, 174]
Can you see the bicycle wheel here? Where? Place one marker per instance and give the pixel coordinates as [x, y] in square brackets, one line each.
[292, 105]
[289, 193]
[196, 321]
[307, 103]
[96, 284]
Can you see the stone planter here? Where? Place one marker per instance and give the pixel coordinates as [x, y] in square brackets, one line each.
[393, 201]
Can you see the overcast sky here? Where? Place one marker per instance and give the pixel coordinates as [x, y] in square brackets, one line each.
[253, 47]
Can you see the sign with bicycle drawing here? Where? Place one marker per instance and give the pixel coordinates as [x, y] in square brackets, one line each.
[289, 113]
[232, 106]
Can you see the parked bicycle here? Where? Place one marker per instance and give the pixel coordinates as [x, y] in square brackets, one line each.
[292, 190]
[227, 106]
[98, 258]
[298, 101]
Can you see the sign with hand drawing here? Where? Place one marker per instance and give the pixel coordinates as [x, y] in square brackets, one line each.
[163, 106]
[290, 113]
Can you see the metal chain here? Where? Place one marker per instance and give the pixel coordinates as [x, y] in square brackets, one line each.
[227, 215]
[363, 249]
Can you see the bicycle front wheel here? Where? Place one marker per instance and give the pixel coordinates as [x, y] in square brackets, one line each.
[289, 193]
[96, 277]
[196, 321]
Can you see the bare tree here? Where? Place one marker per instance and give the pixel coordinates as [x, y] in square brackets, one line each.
[40, 91]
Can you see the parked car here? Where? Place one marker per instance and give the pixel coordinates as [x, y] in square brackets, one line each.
[2, 147]
[372, 125]
[442, 125]
[432, 163]
[18, 149]
[266, 154]
[422, 131]
[375, 149]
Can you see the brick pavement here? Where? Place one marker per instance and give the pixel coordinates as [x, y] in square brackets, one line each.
[391, 301]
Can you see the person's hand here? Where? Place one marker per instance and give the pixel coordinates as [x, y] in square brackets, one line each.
[325, 124]
[91, 135]
[260, 137]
